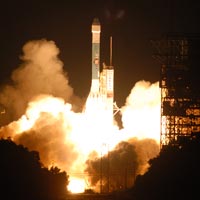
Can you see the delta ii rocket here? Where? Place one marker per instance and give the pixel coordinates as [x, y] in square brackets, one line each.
[102, 85]
[96, 30]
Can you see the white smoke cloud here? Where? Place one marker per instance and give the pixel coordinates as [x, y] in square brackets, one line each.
[40, 73]
[50, 132]
[40, 116]
[141, 113]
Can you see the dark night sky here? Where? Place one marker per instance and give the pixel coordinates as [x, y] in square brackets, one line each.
[132, 23]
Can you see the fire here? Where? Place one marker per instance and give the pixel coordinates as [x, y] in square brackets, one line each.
[90, 131]
[66, 138]
[41, 104]
[76, 186]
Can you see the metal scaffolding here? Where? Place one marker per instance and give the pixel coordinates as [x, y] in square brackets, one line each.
[179, 56]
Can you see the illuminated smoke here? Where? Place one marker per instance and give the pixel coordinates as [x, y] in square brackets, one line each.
[141, 113]
[40, 73]
[135, 144]
[40, 86]
[39, 108]
[50, 132]
[118, 169]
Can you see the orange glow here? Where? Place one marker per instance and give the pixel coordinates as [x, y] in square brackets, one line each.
[91, 130]
[141, 114]
[39, 99]
[76, 185]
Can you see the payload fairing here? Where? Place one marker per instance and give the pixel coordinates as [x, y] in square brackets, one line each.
[102, 85]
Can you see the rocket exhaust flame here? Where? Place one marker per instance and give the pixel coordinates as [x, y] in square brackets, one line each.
[39, 116]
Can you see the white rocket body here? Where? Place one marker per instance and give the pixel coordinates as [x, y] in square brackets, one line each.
[102, 86]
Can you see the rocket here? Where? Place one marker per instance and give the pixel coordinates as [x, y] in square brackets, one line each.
[96, 30]
[101, 92]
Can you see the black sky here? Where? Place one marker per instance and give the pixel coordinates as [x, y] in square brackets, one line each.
[132, 24]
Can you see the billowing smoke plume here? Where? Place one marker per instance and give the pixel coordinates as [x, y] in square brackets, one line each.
[139, 141]
[39, 86]
[117, 169]
[41, 73]
[40, 116]
[50, 133]
[141, 113]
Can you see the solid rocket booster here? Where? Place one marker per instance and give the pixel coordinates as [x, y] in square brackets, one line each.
[96, 30]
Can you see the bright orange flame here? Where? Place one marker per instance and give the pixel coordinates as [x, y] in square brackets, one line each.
[76, 185]
[92, 130]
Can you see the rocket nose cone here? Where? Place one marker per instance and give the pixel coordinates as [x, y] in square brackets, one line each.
[96, 21]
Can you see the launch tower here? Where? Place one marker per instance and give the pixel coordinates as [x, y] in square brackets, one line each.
[179, 56]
